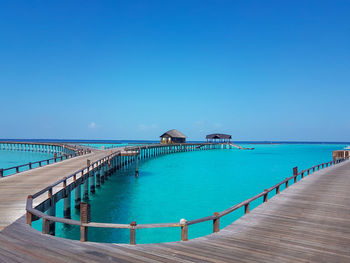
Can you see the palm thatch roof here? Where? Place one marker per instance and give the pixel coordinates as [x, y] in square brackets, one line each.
[174, 134]
[218, 136]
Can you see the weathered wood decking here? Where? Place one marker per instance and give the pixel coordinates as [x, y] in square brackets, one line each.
[308, 222]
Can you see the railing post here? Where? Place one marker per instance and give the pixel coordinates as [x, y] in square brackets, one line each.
[46, 226]
[246, 208]
[295, 174]
[30, 165]
[287, 182]
[85, 217]
[184, 230]
[29, 214]
[265, 195]
[1, 172]
[216, 223]
[17, 169]
[132, 233]
[277, 190]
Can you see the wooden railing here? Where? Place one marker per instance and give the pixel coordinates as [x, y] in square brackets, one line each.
[85, 219]
[75, 152]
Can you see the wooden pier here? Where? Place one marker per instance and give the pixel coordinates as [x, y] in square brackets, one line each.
[15, 188]
[58, 179]
[309, 221]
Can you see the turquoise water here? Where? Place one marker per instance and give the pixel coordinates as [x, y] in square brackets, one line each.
[190, 185]
[13, 158]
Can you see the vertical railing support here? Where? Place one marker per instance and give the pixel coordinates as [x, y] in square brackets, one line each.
[216, 223]
[184, 230]
[246, 208]
[265, 196]
[85, 217]
[295, 174]
[29, 214]
[133, 233]
[46, 226]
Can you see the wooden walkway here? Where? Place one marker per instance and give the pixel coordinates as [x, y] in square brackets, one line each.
[14, 189]
[308, 222]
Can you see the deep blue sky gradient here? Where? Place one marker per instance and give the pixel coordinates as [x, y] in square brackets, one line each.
[259, 70]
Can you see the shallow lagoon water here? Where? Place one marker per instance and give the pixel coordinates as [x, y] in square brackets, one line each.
[190, 185]
[10, 158]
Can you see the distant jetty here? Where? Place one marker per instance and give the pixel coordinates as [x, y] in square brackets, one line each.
[240, 147]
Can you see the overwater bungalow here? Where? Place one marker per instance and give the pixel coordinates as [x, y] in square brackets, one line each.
[219, 138]
[172, 136]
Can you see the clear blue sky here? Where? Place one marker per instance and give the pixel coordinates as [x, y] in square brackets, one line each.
[259, 70]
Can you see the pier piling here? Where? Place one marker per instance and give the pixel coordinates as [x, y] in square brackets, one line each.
[50, 225]
[86, 187]
[98, 177]
[92, 180]
[77, 196]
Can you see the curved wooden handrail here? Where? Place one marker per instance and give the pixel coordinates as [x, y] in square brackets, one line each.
[183, 224]
[70, 176]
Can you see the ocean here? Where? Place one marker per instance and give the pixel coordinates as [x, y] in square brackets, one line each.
[189, 185]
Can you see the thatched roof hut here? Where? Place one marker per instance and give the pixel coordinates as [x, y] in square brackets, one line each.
[218, 137]
[173, 136]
